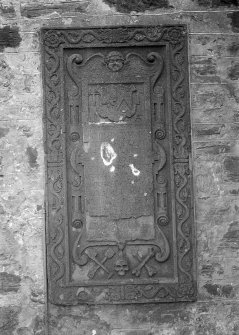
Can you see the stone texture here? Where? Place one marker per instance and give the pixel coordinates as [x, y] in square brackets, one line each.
[214, 45]
[218, 3]
[7, 10]
[234, 21]
[214, 69]
[137, 5]
[8, 320]
[30, 10]
[9, 37]
[214, 103]
[214, 66]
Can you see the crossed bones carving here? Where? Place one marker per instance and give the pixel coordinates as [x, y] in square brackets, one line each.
[143, 263]
[100, 264]
[92, 254]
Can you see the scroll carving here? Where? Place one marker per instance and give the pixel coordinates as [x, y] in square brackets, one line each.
[134, 78]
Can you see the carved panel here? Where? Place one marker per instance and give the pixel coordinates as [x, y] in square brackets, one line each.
[118, 179]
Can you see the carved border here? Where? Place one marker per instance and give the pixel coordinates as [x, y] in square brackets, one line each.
[53, 42]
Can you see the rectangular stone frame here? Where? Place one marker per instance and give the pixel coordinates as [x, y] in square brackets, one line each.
[172, 132]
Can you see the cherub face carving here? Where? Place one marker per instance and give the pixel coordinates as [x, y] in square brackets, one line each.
[114, 61]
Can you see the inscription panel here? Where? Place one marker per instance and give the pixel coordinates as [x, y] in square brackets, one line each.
[118, 176]
[119, 195]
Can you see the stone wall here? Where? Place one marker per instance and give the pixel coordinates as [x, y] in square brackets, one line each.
[214, 74]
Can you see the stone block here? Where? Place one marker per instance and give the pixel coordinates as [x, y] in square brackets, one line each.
[32, 321]
[217, 319]
[136, 5]
[9, 282]
[234, 16]
[21, 146]
[231, 166]
[217, 265]
[211, 45]
[21, 154]
[23, 62]
[78, 325]
[43, 8]
[30, 204]
[202, 21]
[26, 101]
[198, 21]
[27, 226]
[7, 11]
[212, 132]
[8, 319]
[30, 42]
[23, 109]
[216, 211]
[214, 176]
[175, 319]
[214, 103]
[17, 182]
[220, 271]
[218, 3]
[214, 70]
[20, 81]
[9, 37]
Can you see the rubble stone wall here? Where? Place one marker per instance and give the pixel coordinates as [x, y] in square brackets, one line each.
[214, 87]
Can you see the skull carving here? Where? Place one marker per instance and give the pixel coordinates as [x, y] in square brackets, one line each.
[121, 266]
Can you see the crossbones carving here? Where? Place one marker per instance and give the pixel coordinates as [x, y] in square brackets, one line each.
[100, 264]
[143, 263]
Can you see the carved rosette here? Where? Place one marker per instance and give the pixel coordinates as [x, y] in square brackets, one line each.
[55, 120]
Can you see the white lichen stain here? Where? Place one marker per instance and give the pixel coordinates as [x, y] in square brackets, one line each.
[235, 149]
[67, 21]
[102, 121]
[216, 183]
[107, 153]
[112, 168]
[86, 147]
[135, 171]
[140, 254]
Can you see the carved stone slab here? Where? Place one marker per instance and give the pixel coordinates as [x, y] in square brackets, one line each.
[118, 178]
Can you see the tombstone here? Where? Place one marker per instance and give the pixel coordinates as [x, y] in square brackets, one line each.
[118, 175]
